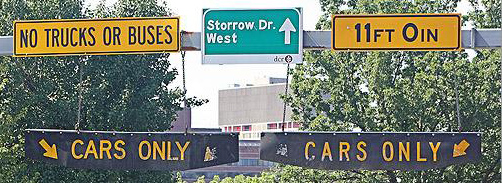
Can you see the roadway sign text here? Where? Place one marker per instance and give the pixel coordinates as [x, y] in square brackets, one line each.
[371, 150]
[421, 32]
[251, 36]
[131, 150]
[96, 36]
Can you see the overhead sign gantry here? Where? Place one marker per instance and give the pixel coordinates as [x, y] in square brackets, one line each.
[248, 36]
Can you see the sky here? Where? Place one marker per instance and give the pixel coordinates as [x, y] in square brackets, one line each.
[204, 81]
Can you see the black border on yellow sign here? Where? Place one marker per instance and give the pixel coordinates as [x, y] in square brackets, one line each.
[457, 15]
[178, 46]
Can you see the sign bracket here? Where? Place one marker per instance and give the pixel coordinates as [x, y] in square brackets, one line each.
[473, 37]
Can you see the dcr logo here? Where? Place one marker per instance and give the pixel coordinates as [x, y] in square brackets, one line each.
[287, 59]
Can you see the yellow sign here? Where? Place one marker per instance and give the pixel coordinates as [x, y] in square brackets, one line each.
[414, 32]
[96, 36]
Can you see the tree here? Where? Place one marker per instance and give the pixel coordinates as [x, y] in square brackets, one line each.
[399, 91]
[406, 91]
[120, 93]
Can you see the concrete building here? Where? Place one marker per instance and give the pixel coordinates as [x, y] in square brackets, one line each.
[254, 109]
[248, 109]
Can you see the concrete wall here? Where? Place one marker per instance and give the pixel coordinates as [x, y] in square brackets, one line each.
[183, 121]
[248, 105]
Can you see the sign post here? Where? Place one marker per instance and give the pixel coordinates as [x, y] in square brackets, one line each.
[412, 32]
[371, 150]
[252, 36]
[131, 150]
[96, 36]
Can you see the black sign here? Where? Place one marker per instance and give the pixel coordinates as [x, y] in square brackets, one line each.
[370, 151]
[132, 150]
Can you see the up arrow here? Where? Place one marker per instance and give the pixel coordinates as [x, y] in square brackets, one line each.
[287, 27]
[459, 150]
[50, 152]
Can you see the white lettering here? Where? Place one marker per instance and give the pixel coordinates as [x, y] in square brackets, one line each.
[216, 25]
[249, 25]
[219, 39]
[262, 24]
[211, 37]
[210, 25]
[234, 37]
[241, 25]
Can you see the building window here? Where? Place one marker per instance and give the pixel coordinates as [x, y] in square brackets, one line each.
[272, 126]
[237, 128]
[280, 125]
[246, 128]
[296, 125]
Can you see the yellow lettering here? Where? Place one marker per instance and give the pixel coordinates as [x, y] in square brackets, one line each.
[182, 150]
[91, 148]
[434, 150]
[361, 149]
[404, 151]
[120, 149]
[169, 150]
[344, 150]
[105, 149]
[418, 153]
[140, 150]
[75, 156]
[161, 152]
[307, 150]
[384, 151]
[326, 152]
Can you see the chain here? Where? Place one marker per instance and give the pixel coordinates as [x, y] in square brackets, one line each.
[500, 54]
[457, 105]
[80, 70]
[285, 94]
[185, 102]
[184, 79]
[183, 53]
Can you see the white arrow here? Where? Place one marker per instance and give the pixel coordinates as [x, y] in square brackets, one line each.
[287, 27]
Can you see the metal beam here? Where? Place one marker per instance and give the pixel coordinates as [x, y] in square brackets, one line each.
[320, 40]
[6, 45]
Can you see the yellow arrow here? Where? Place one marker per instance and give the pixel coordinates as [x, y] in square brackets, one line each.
[459, 150]
[51, 152]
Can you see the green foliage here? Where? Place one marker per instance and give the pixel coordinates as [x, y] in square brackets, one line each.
[486, 13]
[121, 93]
[399, 91]
[178, 178]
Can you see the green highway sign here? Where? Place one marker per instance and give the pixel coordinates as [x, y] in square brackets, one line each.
[252, 36]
